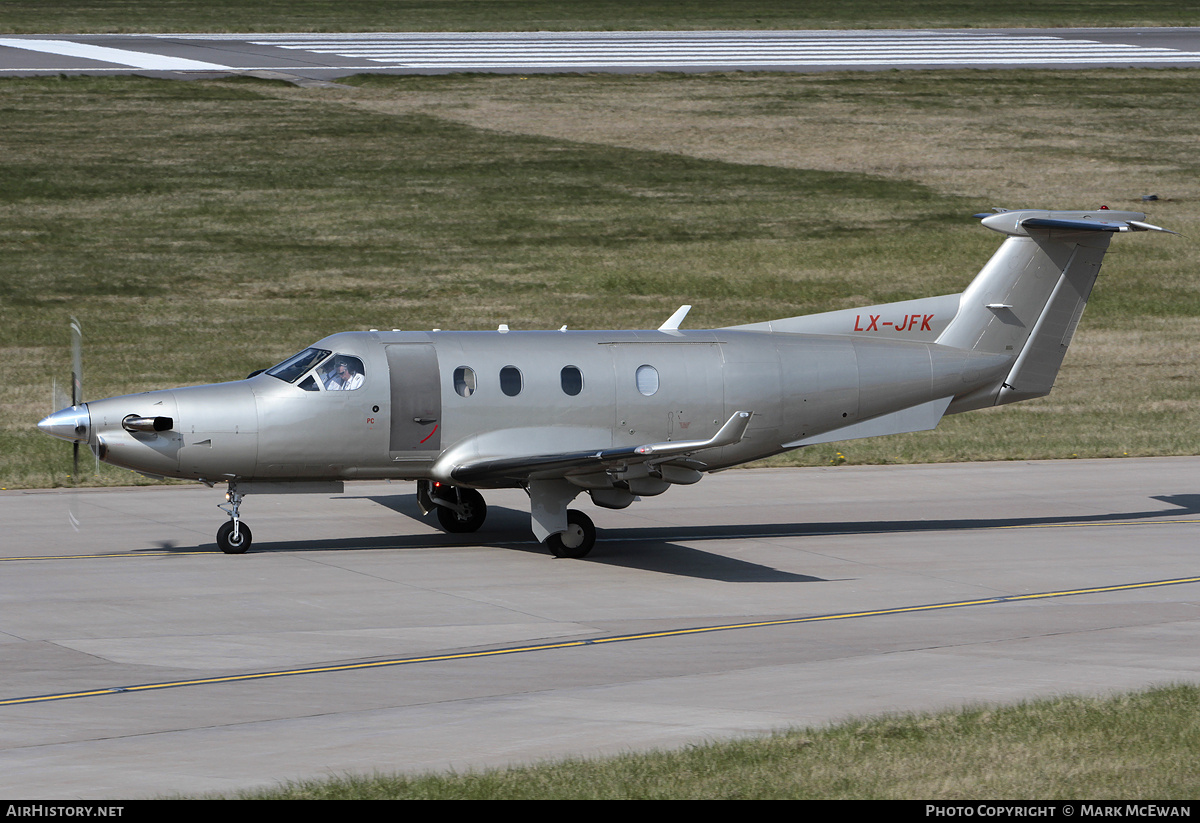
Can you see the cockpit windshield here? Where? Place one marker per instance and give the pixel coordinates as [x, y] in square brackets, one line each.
[297, 365]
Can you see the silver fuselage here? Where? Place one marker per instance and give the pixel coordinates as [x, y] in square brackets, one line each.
[615, 414]
[409, 419]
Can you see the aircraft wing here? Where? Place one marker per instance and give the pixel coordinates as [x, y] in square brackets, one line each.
[526, 467]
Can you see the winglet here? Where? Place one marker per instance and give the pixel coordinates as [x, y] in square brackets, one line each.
[675, 319]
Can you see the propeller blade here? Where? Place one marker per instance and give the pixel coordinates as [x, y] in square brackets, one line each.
[58, 396]
[72, 505]
[76, 363]
[76, 399]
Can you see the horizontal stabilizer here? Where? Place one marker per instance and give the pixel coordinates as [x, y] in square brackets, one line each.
[1073, 225]
[1019, 223]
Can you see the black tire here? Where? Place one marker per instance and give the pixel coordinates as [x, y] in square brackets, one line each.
[577, 540]
[474, 513]
[225, 538]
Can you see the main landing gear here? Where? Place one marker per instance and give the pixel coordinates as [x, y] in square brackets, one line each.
[577, 540]
[465, 514]
[461, 511]
[233, 537]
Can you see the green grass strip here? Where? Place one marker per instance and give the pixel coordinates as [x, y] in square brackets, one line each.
[1126, 747]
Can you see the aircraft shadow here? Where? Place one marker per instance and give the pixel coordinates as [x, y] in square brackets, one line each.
[1186, 504]
[658, 549]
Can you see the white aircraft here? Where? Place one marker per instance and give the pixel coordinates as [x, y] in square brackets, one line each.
[617, 415]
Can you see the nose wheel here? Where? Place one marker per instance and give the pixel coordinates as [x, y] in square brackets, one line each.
[233, 537]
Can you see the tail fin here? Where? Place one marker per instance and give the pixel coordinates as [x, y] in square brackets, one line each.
[1027, 300]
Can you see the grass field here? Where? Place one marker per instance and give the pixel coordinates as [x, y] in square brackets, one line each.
[1130, 747]
[102, 16]
[201, 230]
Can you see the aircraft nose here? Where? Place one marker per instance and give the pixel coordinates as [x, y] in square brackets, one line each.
[71, 423]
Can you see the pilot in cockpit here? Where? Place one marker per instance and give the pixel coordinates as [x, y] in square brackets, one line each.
[345, 376]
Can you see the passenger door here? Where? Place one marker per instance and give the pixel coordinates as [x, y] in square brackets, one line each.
[416, 400]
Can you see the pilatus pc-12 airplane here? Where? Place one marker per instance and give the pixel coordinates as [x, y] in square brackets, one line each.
[617, 415]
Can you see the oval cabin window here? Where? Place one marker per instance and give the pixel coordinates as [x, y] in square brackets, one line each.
[510, 380]
[572, 380]
[464, 381]
[647, 380]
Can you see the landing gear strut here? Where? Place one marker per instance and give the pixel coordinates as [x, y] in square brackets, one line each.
[459, 510]
[233, 537]
[577, 540]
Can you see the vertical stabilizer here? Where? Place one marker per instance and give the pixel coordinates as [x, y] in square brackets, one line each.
[1028, 299]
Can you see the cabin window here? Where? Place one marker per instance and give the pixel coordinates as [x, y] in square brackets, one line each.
[572, 380]
[647, 380]
[510, 380]
[464, 381]
[341, 373]
[309, 383]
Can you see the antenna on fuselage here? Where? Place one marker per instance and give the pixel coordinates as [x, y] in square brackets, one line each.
[675, 319]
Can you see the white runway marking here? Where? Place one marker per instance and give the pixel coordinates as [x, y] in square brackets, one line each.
[699, 50]
[103, 54]
[516, 52]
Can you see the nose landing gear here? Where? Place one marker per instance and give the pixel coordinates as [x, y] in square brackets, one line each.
[233, 537]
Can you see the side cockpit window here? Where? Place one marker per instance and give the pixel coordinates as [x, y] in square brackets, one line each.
[339, 372]
[342, 373]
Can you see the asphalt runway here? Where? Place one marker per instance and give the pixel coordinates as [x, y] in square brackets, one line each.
[137, 661]
[322, 57]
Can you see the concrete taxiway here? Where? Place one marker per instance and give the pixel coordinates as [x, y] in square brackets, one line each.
[135, 660]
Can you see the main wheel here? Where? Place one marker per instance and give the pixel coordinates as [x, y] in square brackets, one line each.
[474, 513]
[227, 544]
[577, 540]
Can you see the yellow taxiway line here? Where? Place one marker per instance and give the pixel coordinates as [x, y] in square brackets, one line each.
[624, 638]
